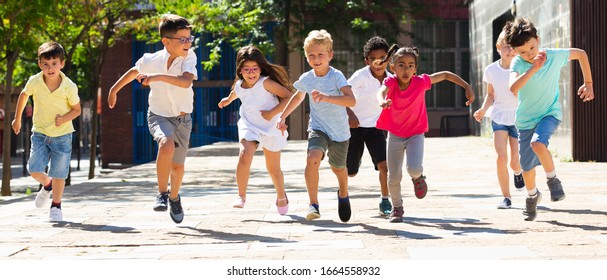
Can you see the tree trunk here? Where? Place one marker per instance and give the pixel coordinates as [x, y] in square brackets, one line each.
[6, 145]
[93, 149]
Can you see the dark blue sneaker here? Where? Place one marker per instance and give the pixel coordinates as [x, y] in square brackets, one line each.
[519, 183]
[556, 189]
[176, 210]
[161, 201]
[531, 206]
[343, 208]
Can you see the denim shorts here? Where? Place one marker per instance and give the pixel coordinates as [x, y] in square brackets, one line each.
[337, 151]
[511, 129]
[541, 133]
[56, 150]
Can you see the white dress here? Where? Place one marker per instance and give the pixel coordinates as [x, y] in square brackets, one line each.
[251, 125]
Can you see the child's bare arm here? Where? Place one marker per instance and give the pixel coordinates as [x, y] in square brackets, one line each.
[586, 91]
[449, 76]
[184, 80]
[21, 102]
[381, 97]
[227, 100]
[128, 77]
[480, 113]
[518, 81]
[72, 114]
[346, 100]
[294, 101]
[283, 94]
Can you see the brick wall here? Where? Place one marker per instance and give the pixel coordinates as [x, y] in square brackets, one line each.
[117, 123]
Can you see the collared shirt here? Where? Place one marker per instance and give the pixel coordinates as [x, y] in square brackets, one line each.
[47, 104]
[365, 87]
[327, 117]
[165, 99]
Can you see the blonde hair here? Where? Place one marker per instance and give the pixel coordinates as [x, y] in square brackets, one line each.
[321, 37]
[501, 39]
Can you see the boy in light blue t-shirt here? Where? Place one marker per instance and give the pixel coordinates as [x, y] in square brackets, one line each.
[328, 128]
[534, 78]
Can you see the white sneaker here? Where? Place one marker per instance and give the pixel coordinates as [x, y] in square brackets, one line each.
[55, 215]
[313, 213]
[238, 203]
[505, 204]
[42, 197]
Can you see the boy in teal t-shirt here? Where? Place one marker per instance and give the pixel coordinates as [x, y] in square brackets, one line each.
[534, 77]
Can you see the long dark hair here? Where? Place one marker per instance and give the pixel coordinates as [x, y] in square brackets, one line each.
[276, 72]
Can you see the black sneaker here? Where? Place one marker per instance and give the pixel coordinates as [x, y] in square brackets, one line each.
[176, 210]
[161, 201]
[343, 208]
[556, 189]
[519, 183]
[531, 205]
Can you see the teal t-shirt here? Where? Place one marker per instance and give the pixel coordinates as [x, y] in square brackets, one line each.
[539, 97]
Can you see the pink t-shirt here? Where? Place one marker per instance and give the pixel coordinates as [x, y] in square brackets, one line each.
[407, 114]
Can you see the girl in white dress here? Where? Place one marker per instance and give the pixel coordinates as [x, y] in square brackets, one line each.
[264, 90]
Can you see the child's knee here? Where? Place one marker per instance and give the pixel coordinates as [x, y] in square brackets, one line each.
[415, 171]
[166, 144]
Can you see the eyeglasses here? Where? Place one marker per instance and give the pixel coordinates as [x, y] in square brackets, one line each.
[183, 40]
[250, 69]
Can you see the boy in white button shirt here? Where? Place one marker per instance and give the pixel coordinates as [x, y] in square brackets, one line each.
[362, 117]
[169, 74]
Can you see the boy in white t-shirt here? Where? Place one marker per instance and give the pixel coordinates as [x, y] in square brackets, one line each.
[502, 103]
[169, 73]
[362, 117]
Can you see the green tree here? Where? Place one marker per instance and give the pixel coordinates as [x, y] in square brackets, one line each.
[17, 36]
[239, 23]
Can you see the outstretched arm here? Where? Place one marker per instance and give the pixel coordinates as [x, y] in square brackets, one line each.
[128, 77]
[586, 91]
[228, 99]
[449, 76]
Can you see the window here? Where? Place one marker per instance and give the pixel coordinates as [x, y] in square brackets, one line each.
[443, 46]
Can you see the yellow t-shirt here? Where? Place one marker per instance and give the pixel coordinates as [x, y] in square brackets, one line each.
[48, 104]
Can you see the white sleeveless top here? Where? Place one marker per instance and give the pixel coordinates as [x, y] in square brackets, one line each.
[254, 100]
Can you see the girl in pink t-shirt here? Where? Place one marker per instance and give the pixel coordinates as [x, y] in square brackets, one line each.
[405, 118]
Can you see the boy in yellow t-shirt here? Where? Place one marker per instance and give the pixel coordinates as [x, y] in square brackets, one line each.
[56, 104]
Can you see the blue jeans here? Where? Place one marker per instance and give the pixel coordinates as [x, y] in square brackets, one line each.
[56, 150]
[541, 133]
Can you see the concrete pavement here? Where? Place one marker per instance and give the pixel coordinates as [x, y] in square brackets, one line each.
[110, 217]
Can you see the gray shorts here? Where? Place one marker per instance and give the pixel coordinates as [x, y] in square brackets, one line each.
[338, 151]
[176, 128]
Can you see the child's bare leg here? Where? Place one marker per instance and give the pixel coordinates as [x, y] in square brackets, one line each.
[273, 166]
[58, 187]
[543, 154]
[164, 162]
[500, 141]
[41, 177]
[243, 169]
[515, 162]
[529, 177]
[311, 173]
[177, 171]
[383, 178]
[342, 180]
